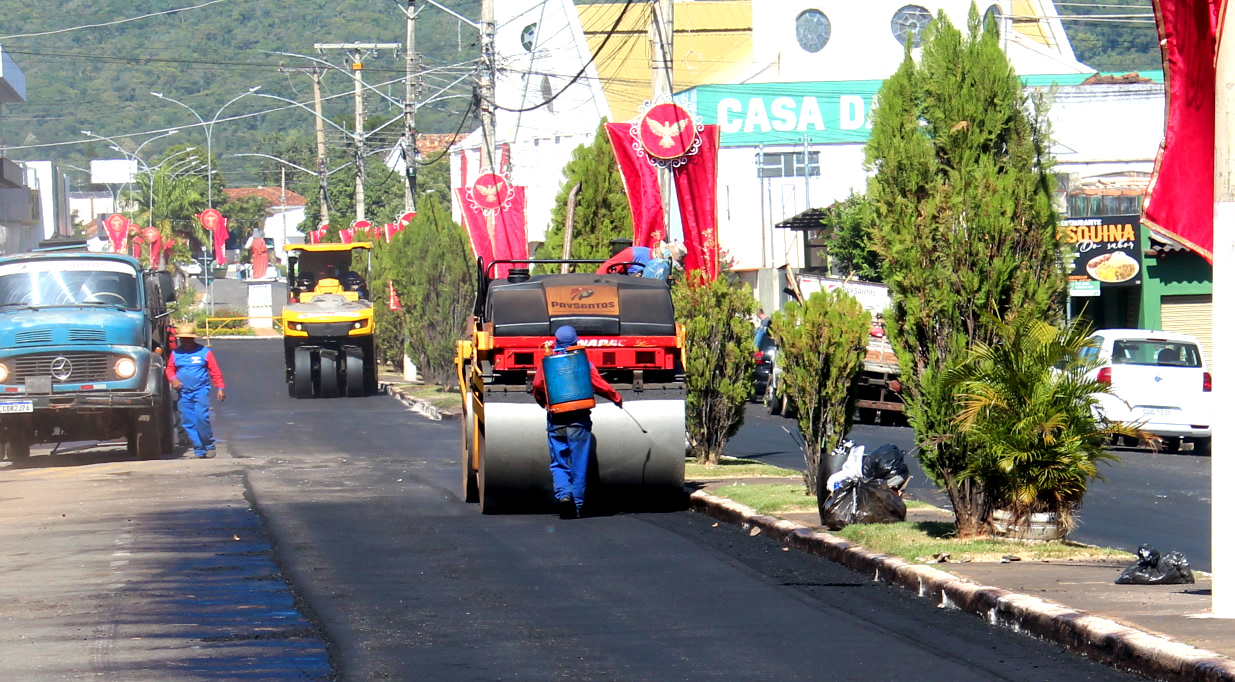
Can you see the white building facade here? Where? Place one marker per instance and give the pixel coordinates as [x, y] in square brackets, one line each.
[794, 107]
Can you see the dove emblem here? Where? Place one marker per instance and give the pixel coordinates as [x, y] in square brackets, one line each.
[666, 131]
[490, 192]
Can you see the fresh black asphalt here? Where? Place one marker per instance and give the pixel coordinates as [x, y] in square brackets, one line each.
[408, 582]
[1156, 498]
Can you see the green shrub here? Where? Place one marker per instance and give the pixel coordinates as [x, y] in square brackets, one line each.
[821, 346]
[719, 360]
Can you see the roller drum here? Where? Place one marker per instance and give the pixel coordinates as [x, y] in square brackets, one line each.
[635, 471]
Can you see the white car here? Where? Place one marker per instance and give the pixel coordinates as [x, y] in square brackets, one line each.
[1158, 380]
[191, 268]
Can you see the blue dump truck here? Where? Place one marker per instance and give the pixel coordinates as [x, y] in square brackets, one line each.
[82, 337]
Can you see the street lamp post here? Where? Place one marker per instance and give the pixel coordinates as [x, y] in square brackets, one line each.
[131, 157]
[209, 128]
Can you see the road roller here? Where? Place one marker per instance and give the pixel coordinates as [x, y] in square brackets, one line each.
[626, 325]
[328, 322]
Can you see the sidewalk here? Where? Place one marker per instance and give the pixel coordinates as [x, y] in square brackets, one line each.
[1178, 613]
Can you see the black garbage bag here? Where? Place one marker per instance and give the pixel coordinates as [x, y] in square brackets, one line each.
[886, 463]
[861, 500]
[1152, 569]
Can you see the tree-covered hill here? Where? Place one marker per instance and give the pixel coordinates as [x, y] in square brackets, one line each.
[1116, 35]
[100, 79]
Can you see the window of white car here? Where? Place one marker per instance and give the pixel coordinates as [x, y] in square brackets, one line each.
[1155, 352]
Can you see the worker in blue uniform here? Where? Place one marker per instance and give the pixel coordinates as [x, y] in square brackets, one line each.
[191, 369]
[571, 444]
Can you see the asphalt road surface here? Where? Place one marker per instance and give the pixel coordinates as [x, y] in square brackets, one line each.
[1156, 498]
[361, 500]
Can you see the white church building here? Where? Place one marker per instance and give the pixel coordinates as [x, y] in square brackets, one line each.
[791, 84]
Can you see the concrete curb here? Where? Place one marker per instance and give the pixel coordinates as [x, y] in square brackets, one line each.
[1092, 636]
[421, 407]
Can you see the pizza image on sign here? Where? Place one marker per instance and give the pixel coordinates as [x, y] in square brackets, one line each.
[1113, 267]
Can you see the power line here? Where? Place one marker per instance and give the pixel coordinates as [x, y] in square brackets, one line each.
[111, 23]
[581, 72]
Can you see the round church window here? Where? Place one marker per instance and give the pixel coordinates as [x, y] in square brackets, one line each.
[910, 19]
[814, 30]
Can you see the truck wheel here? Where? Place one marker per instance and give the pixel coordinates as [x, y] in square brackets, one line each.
[144, 437]
[328, 373]
[354, 375]
[302, 373]
[167, 426]
[16, 447]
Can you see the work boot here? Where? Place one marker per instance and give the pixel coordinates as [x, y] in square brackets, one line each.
[566, 508]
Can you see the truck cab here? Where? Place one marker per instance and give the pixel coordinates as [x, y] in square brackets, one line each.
[82, 337]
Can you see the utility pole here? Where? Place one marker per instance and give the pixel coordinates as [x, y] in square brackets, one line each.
[1222, 503]
[660, 32]
[358, 101]
[320, 127]
[409, 111]
[488, 69]
[357, 53]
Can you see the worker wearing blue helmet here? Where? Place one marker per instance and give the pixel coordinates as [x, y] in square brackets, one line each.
[571, 444]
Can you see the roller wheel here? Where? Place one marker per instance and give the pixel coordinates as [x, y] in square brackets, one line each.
[328, 380]
[354, 375]
[471, 488]
[144, 437]
[302, 374]
[16, 446]
[488, 503]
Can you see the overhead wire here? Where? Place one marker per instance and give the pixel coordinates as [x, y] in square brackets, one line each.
[110, 23]
[600, 48]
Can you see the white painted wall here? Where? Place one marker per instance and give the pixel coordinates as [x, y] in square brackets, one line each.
[862, 44]
[281, 226]
[541, 140]
[52, 187]
[1102, 129]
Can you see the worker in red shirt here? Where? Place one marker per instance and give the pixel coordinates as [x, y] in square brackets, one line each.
[571, 444]
[191, 368]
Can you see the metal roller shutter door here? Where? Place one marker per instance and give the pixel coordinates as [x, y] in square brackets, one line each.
[1192, 315]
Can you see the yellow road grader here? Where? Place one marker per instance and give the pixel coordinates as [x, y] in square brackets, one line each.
[328, 322]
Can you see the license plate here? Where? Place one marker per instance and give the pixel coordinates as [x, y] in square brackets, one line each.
[16, 407]
[1158, 411]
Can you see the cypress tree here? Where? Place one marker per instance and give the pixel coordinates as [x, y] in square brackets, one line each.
[962, 198]
[433, 273]
[601, 209]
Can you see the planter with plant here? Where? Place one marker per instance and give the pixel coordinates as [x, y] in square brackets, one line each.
[1027, 408]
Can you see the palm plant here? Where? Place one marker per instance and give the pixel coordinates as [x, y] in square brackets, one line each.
[1028, 404]
[170, 202]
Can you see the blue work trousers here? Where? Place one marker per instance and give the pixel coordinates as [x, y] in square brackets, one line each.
[570, 454]
[195, 417]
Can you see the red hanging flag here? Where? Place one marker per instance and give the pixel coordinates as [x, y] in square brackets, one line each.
[117, 227]
[494, 213]
[1180, 200]
[395, 303]
[695, 181]
[642, 187]
[667, 136]
[215, 224]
